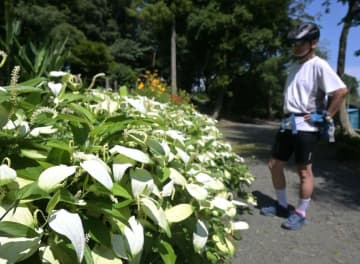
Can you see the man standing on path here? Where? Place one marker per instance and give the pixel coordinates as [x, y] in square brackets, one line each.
[310, 80]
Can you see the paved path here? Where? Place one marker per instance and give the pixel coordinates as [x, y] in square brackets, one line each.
[333, 232]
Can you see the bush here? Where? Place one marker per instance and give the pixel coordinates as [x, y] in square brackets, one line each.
[91, 176]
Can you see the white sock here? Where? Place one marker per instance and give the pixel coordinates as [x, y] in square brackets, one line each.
[302, 206]
[281, 197]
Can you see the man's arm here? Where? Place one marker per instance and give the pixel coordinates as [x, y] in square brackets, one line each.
[336, 100]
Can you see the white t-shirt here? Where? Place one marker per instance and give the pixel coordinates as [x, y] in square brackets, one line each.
[307, 87]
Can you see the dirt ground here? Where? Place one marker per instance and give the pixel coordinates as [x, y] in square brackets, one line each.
[332, 234]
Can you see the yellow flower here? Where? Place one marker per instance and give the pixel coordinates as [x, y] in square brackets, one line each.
[141, 86]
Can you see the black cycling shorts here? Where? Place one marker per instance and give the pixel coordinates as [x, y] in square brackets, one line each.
[301, 144]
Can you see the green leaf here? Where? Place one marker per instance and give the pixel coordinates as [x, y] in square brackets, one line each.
[167, 252]
[88, 259]
[58, 144]
[123, 91]
[178, 213]
[104, 255]
[14, 250]
[34, 154]
[118, 190]
[83, 112]
[80, 132]
[53, 202]
[58, 156]
[98, 231]
[155, 147]
[32, 192]
[12, 229]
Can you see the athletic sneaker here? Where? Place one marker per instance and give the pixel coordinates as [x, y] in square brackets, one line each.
[294, 222]
[275, 209]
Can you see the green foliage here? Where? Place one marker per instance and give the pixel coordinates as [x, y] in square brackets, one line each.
[90, 175]
[352, 84]
[90, 57]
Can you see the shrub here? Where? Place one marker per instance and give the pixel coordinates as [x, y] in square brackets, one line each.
[91, 176]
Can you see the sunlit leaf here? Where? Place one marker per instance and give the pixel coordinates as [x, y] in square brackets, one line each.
[98, 171]
[135, 237]
[51, 178]
[104, 255]
[168, 189]
[13, 250]
[156, 214]
[132, 153]
[196, 191]
[177, 177]
[69, 225]
[46, 130]
[119, 170]
[7, 174]
[20, 214]
[239, 225]
[178, 212]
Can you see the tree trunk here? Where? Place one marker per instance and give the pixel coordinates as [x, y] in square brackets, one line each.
[173, 60]
[343, 114]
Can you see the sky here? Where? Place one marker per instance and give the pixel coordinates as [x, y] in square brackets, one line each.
[330, 35]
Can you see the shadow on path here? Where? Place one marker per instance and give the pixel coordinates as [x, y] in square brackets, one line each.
[341, 179]
[332, 234]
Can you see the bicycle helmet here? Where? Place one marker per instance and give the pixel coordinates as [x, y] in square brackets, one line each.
[304, 32]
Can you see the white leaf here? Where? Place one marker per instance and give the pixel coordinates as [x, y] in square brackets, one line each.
[177, 135]
[51, 178]
[178, 212]
[239, 225]
[55, 88]
[221, 203]
[225, 205]
[46, 130]
[156, 214]
[7, 174]
[70, 226]
[168, 189]
[131, 153]
[209, 182]
[138, 104]
[99, 171]
[16, 249]
[196, 191]
[57, 73]
[141, 182]
[239, 203]
[183, 155]
[177, 177]
[135, 237]
[200, 236]
[119, 170]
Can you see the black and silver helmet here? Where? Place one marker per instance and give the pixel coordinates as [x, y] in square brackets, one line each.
[304, 32]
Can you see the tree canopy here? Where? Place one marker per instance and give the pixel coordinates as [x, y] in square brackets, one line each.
[238, 48]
